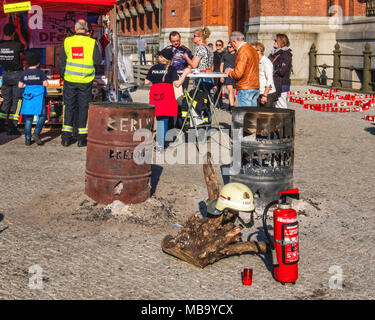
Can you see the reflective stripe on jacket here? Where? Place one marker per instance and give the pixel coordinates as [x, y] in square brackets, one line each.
[79, 51]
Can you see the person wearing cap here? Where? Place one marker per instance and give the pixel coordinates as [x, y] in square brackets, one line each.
[10, 60]
[34, 81]
[78, 57]
[162, 77]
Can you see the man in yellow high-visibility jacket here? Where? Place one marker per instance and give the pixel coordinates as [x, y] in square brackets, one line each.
[77, 61]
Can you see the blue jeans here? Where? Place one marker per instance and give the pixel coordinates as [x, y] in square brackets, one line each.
[28, 120]
[248, 97]
[161, 131]
[142, 57]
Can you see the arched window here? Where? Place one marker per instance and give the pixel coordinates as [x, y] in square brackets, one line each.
[370, 8]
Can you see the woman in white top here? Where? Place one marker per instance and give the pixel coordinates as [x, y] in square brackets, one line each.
[267, 89]
[202, 56]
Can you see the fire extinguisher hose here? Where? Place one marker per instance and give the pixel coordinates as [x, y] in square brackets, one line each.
[266, 209]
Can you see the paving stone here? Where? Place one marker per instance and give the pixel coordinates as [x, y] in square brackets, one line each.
[111, 259]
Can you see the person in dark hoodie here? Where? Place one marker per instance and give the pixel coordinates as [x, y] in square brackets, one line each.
[281, 58]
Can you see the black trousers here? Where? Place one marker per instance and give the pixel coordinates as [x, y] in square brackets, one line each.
[218, 85]
[185, 83]
[12, 96]
[77, 97]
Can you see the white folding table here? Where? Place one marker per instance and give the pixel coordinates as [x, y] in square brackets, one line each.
[212, 104]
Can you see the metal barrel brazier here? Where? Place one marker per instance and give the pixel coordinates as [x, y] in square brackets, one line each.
[267, 149]
[112, 172]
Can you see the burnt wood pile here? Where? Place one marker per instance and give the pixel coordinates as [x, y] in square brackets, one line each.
[205, 240]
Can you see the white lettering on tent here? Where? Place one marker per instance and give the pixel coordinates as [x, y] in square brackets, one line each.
[36, 18]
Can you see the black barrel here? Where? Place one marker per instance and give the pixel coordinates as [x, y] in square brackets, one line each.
[267, 150]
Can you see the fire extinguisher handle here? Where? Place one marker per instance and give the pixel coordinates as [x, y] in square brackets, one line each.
[292, 193]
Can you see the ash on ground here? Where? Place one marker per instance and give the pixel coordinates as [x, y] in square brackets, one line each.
[152, 212]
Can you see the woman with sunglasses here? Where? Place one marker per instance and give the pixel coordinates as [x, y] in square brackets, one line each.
[218, 54]
[281, 58]
[202, 56]
[229, 61]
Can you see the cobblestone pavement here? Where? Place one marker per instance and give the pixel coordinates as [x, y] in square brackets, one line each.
[45, 231]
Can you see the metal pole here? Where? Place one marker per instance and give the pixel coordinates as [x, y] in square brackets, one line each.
[115, 50]
[138, 75]
[160, 24]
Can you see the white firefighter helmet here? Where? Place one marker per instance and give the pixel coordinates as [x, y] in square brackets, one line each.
[234, 196]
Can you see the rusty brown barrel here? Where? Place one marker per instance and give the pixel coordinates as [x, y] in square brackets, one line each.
[119, 142]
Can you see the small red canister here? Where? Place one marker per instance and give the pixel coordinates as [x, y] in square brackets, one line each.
[247, 277]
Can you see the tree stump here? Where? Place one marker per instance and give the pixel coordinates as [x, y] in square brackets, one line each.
[210, 178]
[203, 241]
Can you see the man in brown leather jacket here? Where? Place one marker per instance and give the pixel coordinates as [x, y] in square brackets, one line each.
[246, 71]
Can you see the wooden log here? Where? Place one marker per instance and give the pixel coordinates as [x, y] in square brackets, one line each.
[210, 178]
[203, 241]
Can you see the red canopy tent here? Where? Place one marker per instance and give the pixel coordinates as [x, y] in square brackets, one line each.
[66, 5]
[98, 6]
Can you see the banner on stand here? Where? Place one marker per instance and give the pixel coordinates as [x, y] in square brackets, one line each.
[56, 27]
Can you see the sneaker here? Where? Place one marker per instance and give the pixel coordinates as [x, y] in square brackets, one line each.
[27, 141]
[37, 139]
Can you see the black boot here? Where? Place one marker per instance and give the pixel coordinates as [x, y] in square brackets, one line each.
[82, 143]
[14, 132]
[12, 128]
[66, 142]
[2, 124]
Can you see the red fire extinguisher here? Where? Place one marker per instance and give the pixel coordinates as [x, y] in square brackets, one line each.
[284, 247]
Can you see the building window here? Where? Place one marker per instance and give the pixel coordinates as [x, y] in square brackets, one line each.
[370, 8]
[195, 10]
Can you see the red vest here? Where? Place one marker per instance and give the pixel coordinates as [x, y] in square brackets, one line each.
[162, 97]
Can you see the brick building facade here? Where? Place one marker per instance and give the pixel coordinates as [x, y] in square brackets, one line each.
[141, 17]
[322, 22]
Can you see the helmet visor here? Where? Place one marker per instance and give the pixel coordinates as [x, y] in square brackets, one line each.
[211, 208]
